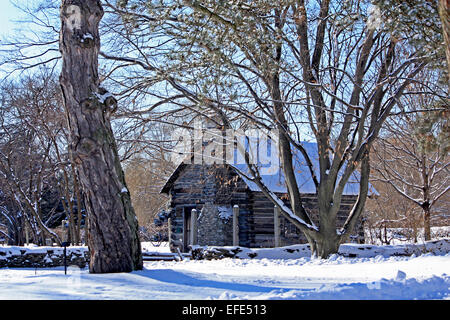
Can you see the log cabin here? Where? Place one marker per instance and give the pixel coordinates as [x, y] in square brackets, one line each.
[215, 190]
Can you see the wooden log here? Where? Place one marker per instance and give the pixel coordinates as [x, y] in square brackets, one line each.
[276, 221]
[193, 240]
[235, 225]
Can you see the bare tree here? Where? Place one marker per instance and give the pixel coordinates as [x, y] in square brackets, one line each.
[35, 44]
[412, 157]
[326, 69]
[341, 76]
[26, 150]
[327, 65]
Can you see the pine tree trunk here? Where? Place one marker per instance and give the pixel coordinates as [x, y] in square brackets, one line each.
[112, 225]
[444, 13]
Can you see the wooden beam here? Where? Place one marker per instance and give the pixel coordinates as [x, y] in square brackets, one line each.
[194, 225]
[235, 225]
[276, 228]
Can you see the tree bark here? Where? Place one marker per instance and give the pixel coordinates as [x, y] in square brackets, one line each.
[426, 222]
[112, 225]
[444, 13]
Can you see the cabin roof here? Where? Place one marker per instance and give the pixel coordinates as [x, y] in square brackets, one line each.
[274, 180]
[172, 178]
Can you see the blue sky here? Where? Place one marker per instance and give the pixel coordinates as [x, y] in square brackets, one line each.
[8, 13]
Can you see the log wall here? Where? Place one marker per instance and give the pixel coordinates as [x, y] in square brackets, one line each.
[263, 221]
[198, 185]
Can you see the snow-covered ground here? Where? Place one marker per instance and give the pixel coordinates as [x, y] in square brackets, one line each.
[155, 246]
[403, 235]
[397, 277]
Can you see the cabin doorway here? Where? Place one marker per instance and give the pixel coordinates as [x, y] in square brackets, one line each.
[187, 227]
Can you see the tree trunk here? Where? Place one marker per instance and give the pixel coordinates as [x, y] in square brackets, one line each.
[78, 198]
[327, 247]
[426, 223]
[444, 13]
[112, 225]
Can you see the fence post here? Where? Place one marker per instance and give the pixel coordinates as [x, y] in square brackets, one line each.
[276, 226]
[193, 240]
[235, 225]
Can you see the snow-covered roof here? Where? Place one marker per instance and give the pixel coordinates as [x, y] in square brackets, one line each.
[276, 182]
[274, 179]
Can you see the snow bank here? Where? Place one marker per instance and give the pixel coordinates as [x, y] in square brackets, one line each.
[302, 250]
[384, 289]
[33, 256]
[395, 277]
[147, 246]
[41, 257]
[150, 247]
[20, 255]
[403, 235]
[7, 251]
[441, 246]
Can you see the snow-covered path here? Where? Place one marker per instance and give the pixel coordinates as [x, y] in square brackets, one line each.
[422, 277]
